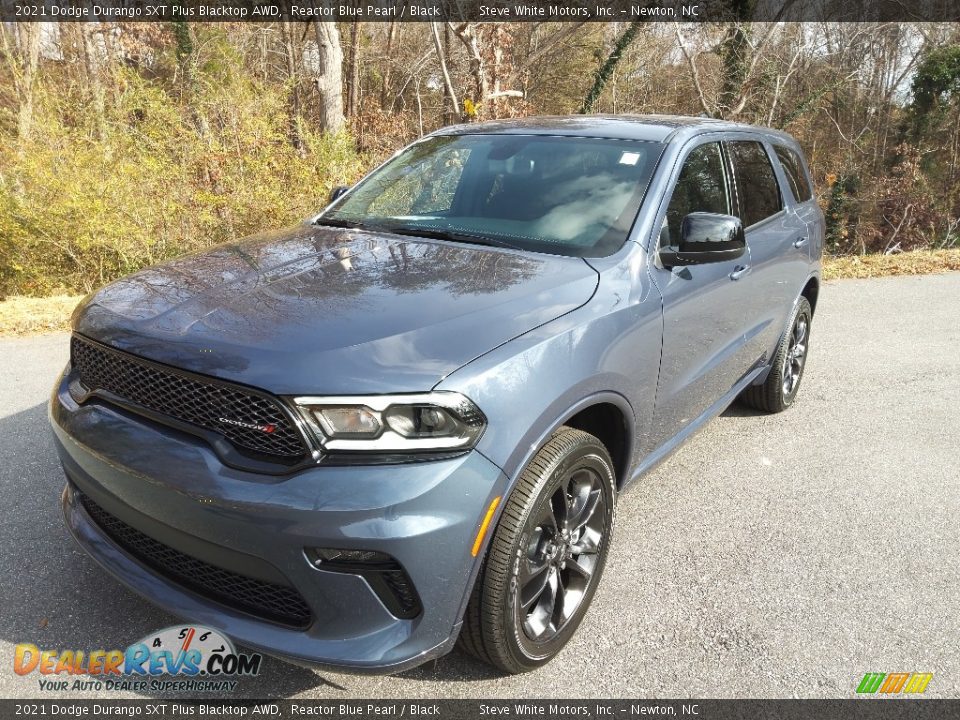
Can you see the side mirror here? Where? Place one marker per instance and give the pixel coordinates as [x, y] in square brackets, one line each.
[337, 191]
[706, 238]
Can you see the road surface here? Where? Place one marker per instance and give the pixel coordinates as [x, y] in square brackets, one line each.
[772, 556]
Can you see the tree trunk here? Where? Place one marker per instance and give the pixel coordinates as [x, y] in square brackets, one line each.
[735, 60]
[329, 80]
[467, 32]
[452, 107]
[353, 71]
[94, 71]
[293, 108]
[388, 65]
[183, 38]
[606, 70]
[30, 52]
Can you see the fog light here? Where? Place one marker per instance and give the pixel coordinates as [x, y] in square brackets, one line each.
[385, 576]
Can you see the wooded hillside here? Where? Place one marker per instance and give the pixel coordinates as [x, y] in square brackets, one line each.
[124, 144]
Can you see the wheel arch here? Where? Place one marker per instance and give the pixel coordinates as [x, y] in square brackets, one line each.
[811, 291]
[608, 423]
[597, 410]
[606, 415]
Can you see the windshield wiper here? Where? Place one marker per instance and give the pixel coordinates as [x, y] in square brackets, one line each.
[438, 234]
[332, 222]
[415, 231]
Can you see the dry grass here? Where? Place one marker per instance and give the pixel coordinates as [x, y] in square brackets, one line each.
[918, 262]
[26, 315]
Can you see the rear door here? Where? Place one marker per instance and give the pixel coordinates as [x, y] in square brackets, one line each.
[777, 240]
[797, 178]
[703, 305]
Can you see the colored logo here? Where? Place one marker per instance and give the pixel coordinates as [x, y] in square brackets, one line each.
[893, 683]
[184, 650]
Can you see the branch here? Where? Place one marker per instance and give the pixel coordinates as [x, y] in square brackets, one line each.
[568, 30]
[694, 72]
[443, 69]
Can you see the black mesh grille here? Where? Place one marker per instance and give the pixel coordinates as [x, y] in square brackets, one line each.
[267, 600]
[403, 591]
[252, 422]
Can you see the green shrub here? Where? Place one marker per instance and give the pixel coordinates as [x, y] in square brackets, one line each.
[92, 196]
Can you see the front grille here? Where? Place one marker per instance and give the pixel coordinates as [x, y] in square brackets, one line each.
[270, 601]
[253, 423]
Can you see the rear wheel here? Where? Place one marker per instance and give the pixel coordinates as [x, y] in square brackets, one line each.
[779, 390]
[546, 556]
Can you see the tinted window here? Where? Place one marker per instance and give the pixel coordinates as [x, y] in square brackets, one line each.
[702, 187]
[564, 195]
[793, 169]
[757, 186]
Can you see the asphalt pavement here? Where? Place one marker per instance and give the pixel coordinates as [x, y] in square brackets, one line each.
[772, 556]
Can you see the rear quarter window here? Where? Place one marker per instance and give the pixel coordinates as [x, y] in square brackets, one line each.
[796, 176]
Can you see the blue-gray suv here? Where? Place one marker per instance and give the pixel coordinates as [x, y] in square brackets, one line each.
[406, 421]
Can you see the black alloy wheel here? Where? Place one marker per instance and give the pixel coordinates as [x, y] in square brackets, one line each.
[561, 556]
[545, 557]
[778, 391]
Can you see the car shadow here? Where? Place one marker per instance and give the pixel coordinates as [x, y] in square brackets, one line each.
[455, 667]
[738, 409]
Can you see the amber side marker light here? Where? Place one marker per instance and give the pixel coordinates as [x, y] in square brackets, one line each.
[481, 533]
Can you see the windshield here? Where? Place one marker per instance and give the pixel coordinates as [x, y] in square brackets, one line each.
[562, 195]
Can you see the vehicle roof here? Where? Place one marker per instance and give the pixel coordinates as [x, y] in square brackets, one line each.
[656, 128]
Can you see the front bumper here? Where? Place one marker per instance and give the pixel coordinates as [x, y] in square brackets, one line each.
[173, 488]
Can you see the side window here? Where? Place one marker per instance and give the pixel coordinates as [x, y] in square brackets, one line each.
[757, 186]
[793, 168]
[701, 187]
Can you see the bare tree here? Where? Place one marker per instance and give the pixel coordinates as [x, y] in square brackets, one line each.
[449, 93]
[353, 70]
[329, 79]
[290, 54]
[93, 62]
[24, 70]
[392, 33]
[469, 35]
[606, 70]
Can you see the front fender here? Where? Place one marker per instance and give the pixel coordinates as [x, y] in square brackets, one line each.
[532, 385]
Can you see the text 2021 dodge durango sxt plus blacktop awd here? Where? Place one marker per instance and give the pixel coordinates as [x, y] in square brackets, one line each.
[406, 421]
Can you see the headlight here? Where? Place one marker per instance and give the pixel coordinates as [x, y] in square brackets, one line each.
[428, 422]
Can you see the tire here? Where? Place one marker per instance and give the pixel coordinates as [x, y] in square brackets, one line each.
[529, 548]
[779, 390]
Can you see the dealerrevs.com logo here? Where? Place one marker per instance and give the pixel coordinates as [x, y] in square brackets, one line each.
[181, 658]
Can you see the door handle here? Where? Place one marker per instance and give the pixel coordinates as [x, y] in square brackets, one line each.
[800, 243]
[739, 271]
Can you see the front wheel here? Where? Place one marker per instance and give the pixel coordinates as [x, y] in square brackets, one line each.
[779, 390]
[546, 556]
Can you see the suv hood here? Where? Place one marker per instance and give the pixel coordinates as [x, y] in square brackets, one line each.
[316, 310]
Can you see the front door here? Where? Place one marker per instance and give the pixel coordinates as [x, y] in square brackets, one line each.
[704, 319]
